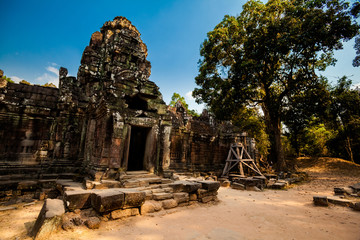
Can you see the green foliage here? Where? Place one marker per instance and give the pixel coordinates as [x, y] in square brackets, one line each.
[269, 54]
[7, 79]
[249, 120]
[344, 117]
[25, 82]
[178, 98]
[315, 139]
[303, 108]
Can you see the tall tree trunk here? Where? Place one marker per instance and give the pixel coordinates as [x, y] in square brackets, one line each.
[279, 151]
[348, 149]
[273, 124]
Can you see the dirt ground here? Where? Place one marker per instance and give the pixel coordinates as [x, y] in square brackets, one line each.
[281, 214]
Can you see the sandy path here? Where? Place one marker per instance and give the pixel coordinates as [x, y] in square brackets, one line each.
[239, 215]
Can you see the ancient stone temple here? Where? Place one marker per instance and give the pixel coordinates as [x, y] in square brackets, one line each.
[109, 119]
[128, 126]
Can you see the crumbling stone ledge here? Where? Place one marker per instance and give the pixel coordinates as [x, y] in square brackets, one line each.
[90, 207]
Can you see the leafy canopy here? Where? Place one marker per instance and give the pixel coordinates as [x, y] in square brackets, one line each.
[176, 97]
[268, 55]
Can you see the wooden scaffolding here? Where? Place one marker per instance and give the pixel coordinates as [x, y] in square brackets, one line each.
[238, 156]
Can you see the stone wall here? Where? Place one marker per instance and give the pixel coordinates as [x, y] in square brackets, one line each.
[201, 143]
[34, 127]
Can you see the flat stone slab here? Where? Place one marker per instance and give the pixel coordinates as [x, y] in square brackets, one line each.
[28, 185]
[151, 180]
[7, 208]
[185, 186]
[162, 196]
[356, 187]
[237, 186]
[279, 185]
[111, 184]
[49, 219]
[340, 201]
[107, 200]
[210, 185]
[343, 190]
[78, 199]
[132, 183]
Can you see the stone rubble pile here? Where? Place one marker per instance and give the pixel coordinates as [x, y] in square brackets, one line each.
[343, 196]
[259, 183]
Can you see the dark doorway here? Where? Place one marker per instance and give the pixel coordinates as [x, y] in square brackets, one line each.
[137, 148]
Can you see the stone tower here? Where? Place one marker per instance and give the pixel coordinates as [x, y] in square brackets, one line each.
[128, 125]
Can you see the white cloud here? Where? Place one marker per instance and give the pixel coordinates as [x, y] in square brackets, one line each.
[16, 79]
[48, 78]
[52, 76]
[53, 70]
[189, 96]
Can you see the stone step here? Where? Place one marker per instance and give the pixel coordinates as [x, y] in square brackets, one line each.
[162, 196]
[133, 176]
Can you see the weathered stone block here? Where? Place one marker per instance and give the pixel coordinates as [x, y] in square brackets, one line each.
[356, 206]
[279, 185]
[28, 185]
[162, 196]
[121, 213]
[147, 207]
[321, 201]
[111, 184]
[133, 198]
[192, 196]
[340, 201]
[238, 186]
[181, 197]
[148, 194]
[77, 199]
[169, 203]
[343, 190]
[93, 223]
[356, 187]
[107, 200]
[207, 199]
[168, 189]
[166, 181]
[204, 193]
[177, 186]
[49, 219]
[210, 185]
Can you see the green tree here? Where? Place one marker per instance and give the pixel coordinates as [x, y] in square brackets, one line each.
[344, 114]
[268, 54]
[304, 109]
[178, 98]
[249, 120]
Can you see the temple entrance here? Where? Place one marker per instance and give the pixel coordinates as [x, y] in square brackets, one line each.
[137, 148]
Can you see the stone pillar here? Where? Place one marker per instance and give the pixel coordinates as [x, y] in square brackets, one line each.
[166, 147]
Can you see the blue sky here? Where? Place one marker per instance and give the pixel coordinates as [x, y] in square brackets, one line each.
[37, 37]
